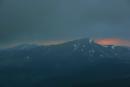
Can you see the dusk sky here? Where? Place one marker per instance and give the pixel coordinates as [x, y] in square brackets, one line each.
[42, 21]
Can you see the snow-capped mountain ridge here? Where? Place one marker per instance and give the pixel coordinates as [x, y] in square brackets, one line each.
[82, 56]
[89, 45]
[83, 47]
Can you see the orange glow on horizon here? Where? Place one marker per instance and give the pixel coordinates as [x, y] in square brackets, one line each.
[113, 41]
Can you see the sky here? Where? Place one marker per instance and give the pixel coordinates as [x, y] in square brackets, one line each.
[48, 21]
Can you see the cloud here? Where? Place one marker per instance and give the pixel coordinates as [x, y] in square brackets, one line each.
[113, 41]
[52, 20]
[1, 2]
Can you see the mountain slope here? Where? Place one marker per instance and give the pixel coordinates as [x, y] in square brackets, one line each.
[64, 65]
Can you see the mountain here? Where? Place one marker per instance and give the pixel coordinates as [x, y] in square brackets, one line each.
[75, 63]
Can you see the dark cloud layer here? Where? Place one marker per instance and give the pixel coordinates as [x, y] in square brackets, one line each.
[41, 20]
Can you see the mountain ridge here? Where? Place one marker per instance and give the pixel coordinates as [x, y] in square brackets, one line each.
[81, 40]
[74, 62]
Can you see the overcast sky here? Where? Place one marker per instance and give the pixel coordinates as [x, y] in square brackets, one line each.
[58, 20]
